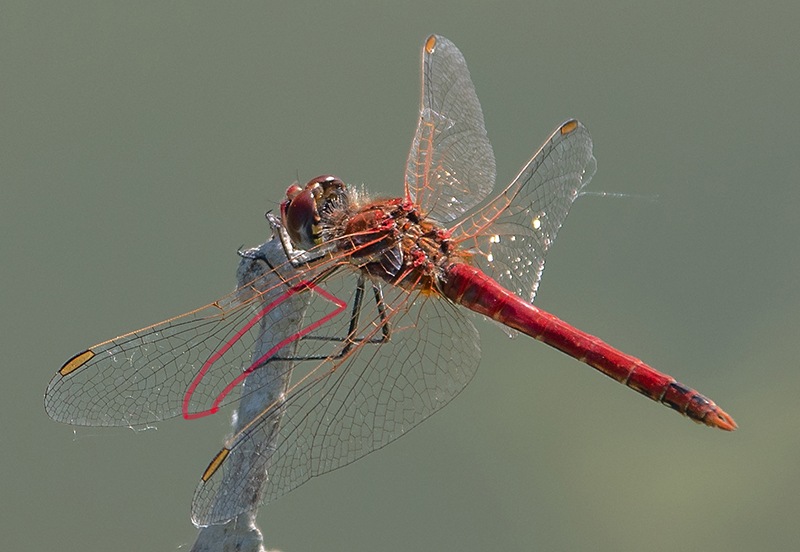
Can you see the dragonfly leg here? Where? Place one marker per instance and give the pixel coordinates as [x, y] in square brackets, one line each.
[377, 290]
[352, 338]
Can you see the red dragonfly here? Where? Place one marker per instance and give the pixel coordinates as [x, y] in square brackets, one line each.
[374, 288]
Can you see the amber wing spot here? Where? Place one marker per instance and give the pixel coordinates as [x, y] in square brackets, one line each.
[76, 362]
[214, 465]
[569, 126]
[430, 44]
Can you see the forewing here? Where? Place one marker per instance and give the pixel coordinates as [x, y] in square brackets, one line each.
[339, 410]
[189, 365]
[511, 235]
[451, 165]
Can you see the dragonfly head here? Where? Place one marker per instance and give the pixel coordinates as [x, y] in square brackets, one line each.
[302, 210]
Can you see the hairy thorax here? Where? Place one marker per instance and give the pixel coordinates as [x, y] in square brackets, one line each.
[391, 240]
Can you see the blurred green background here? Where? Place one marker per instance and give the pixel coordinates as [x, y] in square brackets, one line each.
[142, 142]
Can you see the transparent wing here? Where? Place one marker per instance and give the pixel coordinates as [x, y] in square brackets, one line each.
[351, 368]
[510, 236]
[408, 355]
[189, 365]
[451, 165]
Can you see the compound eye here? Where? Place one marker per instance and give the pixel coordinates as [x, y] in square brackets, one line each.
[300, 217]
[293, 191]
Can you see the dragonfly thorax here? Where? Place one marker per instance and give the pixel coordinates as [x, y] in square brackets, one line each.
[390, 240]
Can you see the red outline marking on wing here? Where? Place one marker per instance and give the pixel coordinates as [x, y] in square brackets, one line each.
[301, 286]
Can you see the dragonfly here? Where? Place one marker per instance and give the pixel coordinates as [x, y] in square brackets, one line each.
[379, 292]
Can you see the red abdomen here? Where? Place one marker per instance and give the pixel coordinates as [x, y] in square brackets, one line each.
[470, 287]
